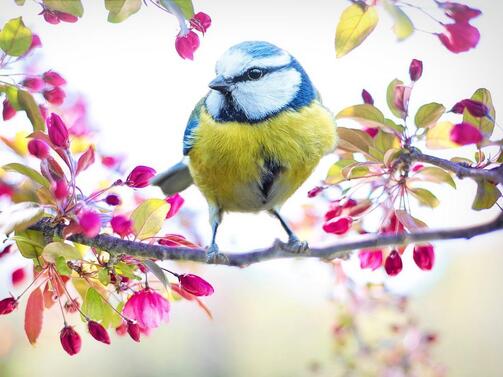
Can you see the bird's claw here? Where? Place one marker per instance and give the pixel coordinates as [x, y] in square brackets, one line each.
[296, 246]
[214, 256]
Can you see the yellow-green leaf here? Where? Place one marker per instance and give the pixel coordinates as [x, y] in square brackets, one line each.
[62, 266]
[390, 98]
[20, 2]
[11, 92]
[428, 115]
[365, 114]
[403, 27]
[73, 7]
[436, 175]
[119, 10]
[484, 124]
[186, 7]
[157, 271]
[425, 197]
[356, 23]
[352, 140]
[30, 243]
[15, 38]
[93, 305]
[409, 222]
[60, 249]
[334, 174]
[28, 104]
[487, 195]
[439, 136]
[28, 172]
[148, 218]
[20, 216]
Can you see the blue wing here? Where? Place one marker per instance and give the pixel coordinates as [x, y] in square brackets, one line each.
[192, 124]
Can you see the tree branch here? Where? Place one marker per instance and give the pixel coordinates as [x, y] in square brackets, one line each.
[279, 250]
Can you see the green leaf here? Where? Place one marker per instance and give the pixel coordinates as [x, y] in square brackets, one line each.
[385, 141]
[104, 276]
[484, 124]
[390, 98]
[409, 222]
[126, 270]
[487, 195]
[425, 197]
[28, 172]
[120, 10]
[334, 174]
[157, 271]
[15, 38]
[367, 115]
[11, 92]
[60, 249]
[439, 136]
[356, 170]
[393, 126]
[436, 175]
[352, 140]
[356, 23]
[28, 104]
[20, 216]
[403, 27]
[428, 115]
[186, 7]
[149, 217]
[30, 243]
[62, 267]
[73, 7]
[93, 305]
[20, 2]
[110, 317]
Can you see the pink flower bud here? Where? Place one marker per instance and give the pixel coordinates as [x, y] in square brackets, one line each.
[201, 22]
[339, 226]
[415, 69]
[335, 211]
[393, 264]
[371, 131]
[401, 97]
[465, 133]
[121, 225]
[38, 148]
[53, 78]
[90, 223]
[66, 17]
[417, 167]
[370, 259]
[60, 189]
[195, 285]
[424, 256]
[7, 305]
[43, 111]
[122, 329]
[8, 110]
[50, 17]
[134, 331]
[459, 37]
[35, 42]
[186, 45]
[6, 190]
[113, 200]
[475, 108]
[34, 84]
[314, 191]
[55, 96]
[58, 133]
[110, 161]
[176, 202]
[350, 203]
[98, 332]
[70, 340]
[367, 98]
[5, 250]
[140, 176]
[458, 12]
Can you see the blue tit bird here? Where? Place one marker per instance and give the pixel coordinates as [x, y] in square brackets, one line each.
[254, 138]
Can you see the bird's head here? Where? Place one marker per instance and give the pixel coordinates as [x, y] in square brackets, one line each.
[257, 80]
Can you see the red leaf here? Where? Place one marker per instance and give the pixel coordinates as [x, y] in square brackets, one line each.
[86, 160]
[34, 315]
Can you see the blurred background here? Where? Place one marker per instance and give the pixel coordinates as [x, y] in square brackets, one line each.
[275, 318]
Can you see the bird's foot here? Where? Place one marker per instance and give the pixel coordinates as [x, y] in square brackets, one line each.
[214, 256]
[296, 246]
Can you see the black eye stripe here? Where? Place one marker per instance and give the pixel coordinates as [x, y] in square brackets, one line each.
[245, 75]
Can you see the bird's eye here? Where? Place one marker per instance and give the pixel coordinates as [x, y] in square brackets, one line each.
[255, 73]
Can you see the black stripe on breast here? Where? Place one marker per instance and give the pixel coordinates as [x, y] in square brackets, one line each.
[270, 172]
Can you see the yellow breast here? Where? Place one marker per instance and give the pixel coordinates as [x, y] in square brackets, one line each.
[227, 159]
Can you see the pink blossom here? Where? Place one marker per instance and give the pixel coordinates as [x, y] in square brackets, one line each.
[339, 226]
[459, 37]
[195, 285]
[415, 69]
[90, 223]
[98, 332]
[70, 340]
[201, 22]
[393, 264]
[370, 258]
[34, 84]
[121, 225]
[140, 176]
[53, 78]
[401, 97]
[176, 202]
[66, 17]
[464, 134]
[187, 44]
[458, 12]
[58, 133]
[367, 97]
[8, 110]
[55, 96]
[424, 256]
[38, 148]
[475, 108]
[148, 308]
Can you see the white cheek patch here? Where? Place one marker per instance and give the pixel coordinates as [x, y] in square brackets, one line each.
[261, 98]
[214, 103]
